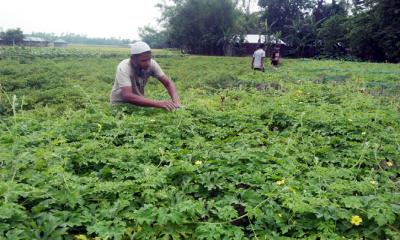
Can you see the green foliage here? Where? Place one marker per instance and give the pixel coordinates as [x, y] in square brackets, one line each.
[362, 37]
[302, 34]
[374, 32]
[209, 21]
[12, 36]
[153, 38]
[81, 39]
[283, 13]
[387, 11]
[371, 32]
[333, 35]
[324, 11]
[292, 153]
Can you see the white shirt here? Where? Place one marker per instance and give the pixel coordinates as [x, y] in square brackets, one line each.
[126, 76]
[258, 58]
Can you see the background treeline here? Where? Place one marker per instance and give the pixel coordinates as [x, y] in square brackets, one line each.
[81, 39]
[343, 29]
[352, 29]
[16, 36]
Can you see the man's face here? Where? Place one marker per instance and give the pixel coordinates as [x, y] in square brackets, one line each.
[142, 60]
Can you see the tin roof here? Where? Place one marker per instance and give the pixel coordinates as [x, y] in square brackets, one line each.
[259, 38]
[34, 39]
[60, 41]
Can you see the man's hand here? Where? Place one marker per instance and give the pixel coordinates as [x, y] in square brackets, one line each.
[169, 105]
[177, 103]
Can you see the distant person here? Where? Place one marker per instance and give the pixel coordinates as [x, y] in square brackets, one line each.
[258, 59]
[275, 56]
[131, 78]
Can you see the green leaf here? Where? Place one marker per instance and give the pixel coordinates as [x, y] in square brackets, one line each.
[353, 202]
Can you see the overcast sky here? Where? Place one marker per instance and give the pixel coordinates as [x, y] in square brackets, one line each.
[116, 18]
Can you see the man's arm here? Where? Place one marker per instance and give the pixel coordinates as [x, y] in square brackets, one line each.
[170, 86]
[138, 100]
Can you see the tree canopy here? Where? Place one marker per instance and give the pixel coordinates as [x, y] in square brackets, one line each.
[156, 39]
[364, 29]
[12, 36]
[200, 26]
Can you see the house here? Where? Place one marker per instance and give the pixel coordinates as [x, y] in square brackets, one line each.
[60, 43]
[252, 41]
[35, 42]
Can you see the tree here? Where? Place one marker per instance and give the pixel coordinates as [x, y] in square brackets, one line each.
[327, 10]
[302, 35]
[388, 36]
[362, 37]
[250, 23]
[375, 33]
[156, 39]
[333, 35]
[245, 5]
[81, 39]
[13, 36]
[197, 26]
[284, 12]
[359, 6]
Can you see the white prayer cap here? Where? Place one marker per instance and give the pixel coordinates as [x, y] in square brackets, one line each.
[139, 47]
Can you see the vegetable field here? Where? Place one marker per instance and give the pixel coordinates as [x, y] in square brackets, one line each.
[310, 150]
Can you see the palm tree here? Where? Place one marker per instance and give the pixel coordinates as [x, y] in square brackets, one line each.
[303, 33]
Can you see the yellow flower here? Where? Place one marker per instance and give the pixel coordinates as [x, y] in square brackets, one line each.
[356, 220]
[363, 133]
[373, 182]
[389, 164]
[80, 237]
[130, 230]
[198, 162]
[281, 182]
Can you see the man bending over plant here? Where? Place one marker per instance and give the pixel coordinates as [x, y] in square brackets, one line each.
[131, 78]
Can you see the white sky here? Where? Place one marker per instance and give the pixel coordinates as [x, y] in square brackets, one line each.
[102, 18]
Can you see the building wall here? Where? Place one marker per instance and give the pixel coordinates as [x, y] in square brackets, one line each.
[251, 47]
[35, 44]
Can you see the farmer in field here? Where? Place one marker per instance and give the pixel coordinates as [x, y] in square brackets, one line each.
[258, 59]
[275, 56]
[131, 78]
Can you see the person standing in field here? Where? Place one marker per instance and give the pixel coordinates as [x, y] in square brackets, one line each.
[131, 78]
[275, 56]
[258, 59]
